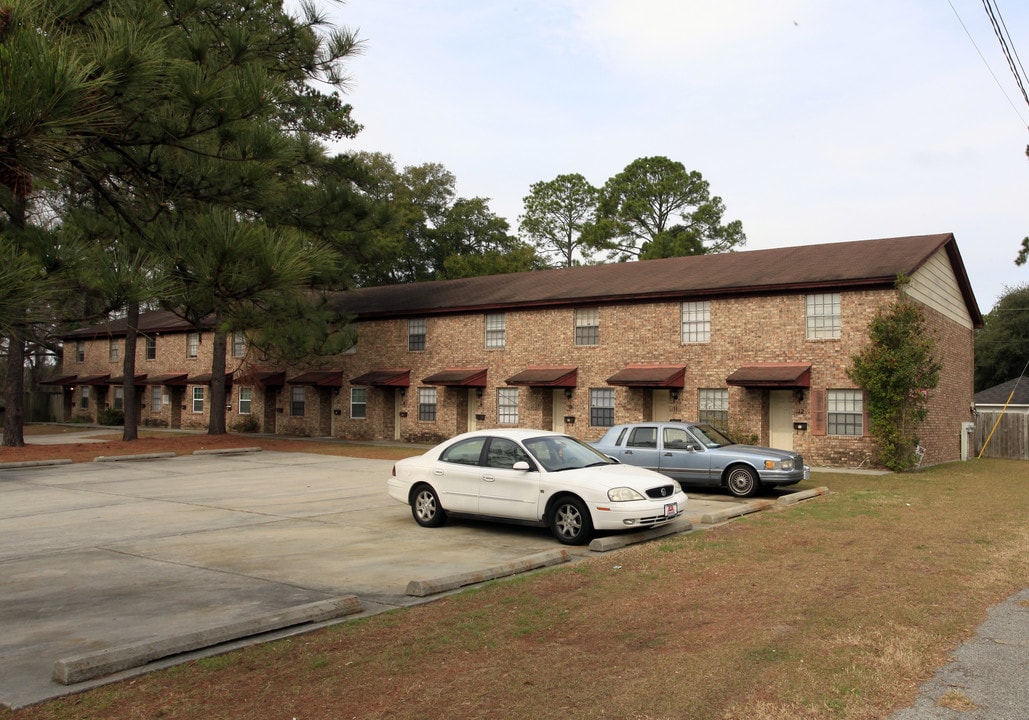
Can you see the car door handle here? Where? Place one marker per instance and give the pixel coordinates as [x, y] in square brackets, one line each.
[628, 452]
[488, 478]
[437, 472]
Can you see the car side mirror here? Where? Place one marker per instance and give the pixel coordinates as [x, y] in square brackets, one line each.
[521, 465]
[692, 447]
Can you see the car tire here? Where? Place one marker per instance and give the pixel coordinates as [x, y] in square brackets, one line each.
[742, 481]
[425, 507]
[570, 521]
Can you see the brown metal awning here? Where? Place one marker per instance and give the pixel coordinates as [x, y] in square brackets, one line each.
[92, 380]
[544, 377]
[206, 378]
[650, 376]
[458, 377]
[120, 379]
[270, 378]
[168, 379]
[772, 375]
[321, 378]
[387, 377]
[63, 380]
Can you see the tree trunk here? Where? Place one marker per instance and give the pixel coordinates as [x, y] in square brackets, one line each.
[130, 430]
[216, 421]
[15, 393]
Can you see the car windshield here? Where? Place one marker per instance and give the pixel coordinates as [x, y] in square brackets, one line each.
[711, 436]
[560, 452]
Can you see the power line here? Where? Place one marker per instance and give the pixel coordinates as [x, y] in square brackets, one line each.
[985, 62]
[1001, 31]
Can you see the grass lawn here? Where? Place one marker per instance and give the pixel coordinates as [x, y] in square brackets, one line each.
[836, 608]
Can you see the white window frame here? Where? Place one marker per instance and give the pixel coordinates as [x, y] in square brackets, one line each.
[587, 327]
[118, 401]
[844, 413]
[192, 344]
[297, 401]
[427, 404]
[713, 402]
[359, 403]
[822, 316]
[112, 350]
[417, 331]
[239, 344]
[246, 400]
[80, 351]
[507, 406]
[150, 345]
[199, 394]
[696, 322]
[155, 398]
[84, 398]
[496, 330]
[602, 407]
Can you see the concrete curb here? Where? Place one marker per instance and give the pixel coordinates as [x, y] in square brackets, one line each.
[141, 456]
[104, 662]
[227, 451]
[32, 463]
[794, 498]
[616, 542]
[421, 588]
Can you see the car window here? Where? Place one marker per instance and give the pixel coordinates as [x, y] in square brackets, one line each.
[676, 439]
[466, 452]
[560, 452]
[504, 453]
[643, 437]
[711, 437]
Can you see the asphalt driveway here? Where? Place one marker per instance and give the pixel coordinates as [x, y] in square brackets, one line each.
[98, 559]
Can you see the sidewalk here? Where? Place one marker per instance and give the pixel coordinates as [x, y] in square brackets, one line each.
[988, 678]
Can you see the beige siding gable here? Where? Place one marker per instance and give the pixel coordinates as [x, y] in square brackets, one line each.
[935, 285]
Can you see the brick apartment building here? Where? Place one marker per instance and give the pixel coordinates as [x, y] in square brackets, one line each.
[756, 341]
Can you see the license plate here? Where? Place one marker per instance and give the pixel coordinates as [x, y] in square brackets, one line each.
[671, 509]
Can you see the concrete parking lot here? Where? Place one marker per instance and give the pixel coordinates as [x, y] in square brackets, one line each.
[101, 558]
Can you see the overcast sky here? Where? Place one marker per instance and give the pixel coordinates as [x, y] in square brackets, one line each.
[814, 120]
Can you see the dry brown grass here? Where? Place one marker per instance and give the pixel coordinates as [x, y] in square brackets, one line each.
[837, 608]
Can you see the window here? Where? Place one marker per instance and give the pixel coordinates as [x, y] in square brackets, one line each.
[359, 402]
[151, 347]
[192, 344]
[844, 410]
[696, 322]
[245, 400]
[507, 406]
[416, 334]
[427, 403]
[239, 344]
[466, 452]
[80, 351]
[823, 316]
[643, 437]
[602, 407]
[587, 326]
[297, 398]
[713, 407]
[119, 397]
[496, 330]
[84, 398]
[112, 350]
[198, 398]
[155, 398]
[504, 453]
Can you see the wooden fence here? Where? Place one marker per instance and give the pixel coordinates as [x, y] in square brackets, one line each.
[1009, 440]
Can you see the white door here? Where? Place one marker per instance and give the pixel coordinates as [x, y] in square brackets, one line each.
[473, 408]
[660, 404]
[780, 419]
[557, 420]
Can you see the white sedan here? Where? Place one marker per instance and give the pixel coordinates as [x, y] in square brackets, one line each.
[533, 477]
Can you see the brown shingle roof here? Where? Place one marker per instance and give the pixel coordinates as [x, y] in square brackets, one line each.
[864, 263]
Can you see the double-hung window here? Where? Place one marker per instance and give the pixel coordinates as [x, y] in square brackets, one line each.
[587, 326]
[112, 350]
[602, 407]
[198, 398]
[245, 400]
[822, 316]
[496, 330]
[427, 403]
[155, 398]
[416, 330]
[713, 407]
[844, 412]
[297, 400]
[80, 351]
[119, 397]
[239, 344]
[696, 322]
[151, 347]
[507, 406]
[192, 344]
[359, 403]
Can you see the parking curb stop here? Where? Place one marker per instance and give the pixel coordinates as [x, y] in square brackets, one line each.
[69, 671]
[422, 588]
[142, 456]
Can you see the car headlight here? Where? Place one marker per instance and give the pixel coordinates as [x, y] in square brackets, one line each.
[623, 494]
[786, 464]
